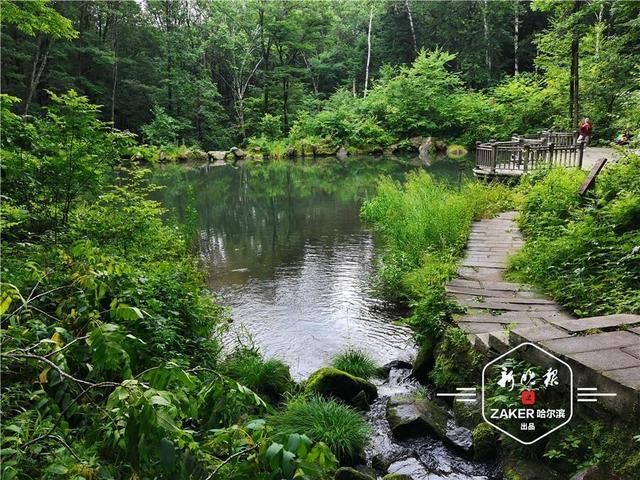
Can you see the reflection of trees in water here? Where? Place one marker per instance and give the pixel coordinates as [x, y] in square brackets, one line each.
[260, 215]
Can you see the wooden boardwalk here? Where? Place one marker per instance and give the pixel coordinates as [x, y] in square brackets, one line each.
[604, 352]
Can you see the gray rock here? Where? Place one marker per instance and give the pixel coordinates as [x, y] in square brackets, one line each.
[394, 365]
[218, 155]
[413, 417]
[238, 153]
[426, 151]
[417, 141]
[410, 467]
[382, 460]
[342, 153]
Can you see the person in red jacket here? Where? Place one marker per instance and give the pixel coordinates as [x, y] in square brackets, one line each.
[585, 131]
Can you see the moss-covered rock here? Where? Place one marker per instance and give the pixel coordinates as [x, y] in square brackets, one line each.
[335, 383]
[396, 476]
[468, 414]
[348, 473]
[522, 469]
[424, 362]
[485, 442]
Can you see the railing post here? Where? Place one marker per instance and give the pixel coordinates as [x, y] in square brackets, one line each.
[520, 147]
[551, 151]
[526, 158]
[494, 154]
[580, 153]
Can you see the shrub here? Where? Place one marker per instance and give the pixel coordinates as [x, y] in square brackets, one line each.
[270, 378]
[355, 362]
[344, 430]
[584, 251]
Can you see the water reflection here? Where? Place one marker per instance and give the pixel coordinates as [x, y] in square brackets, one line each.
[283, 245]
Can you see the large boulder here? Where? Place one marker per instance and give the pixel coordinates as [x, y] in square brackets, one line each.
[409, 416]
[217, 155]
[335, 383]
[238, 153]
[424, 362]
[348, 473]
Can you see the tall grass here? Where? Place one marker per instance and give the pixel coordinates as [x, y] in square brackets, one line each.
[424, 225]
[356, 363]
[344, 430]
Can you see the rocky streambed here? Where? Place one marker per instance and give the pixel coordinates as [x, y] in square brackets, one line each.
[415, 437]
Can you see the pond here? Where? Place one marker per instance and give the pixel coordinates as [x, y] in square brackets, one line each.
[283, 246]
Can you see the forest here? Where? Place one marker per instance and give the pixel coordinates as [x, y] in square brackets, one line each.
[359, 73]
[114, 358]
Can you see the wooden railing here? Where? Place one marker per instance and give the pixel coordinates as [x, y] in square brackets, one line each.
[524, 153]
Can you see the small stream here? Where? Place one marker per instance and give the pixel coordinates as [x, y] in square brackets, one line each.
[424, 458]
[283, 245]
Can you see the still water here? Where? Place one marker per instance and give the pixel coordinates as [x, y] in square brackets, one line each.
[283, 246]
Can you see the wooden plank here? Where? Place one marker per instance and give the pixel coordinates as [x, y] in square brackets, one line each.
[590, 181]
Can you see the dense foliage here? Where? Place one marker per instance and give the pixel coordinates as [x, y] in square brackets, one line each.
[584, 251]
[424, 226]
[283, 72]
[111, 364]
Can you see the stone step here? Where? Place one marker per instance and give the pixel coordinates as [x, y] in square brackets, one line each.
[602, 322]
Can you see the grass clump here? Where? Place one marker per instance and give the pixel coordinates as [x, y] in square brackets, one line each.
[269, 378]
[344, 430]
[355, 362]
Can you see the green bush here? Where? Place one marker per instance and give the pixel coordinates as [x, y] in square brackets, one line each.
[270, 378]
[584, 251]
[356, 363]
[344, 430]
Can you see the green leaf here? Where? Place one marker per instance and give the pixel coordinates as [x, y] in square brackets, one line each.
[273, 454]
[288, 464]
[56, 469]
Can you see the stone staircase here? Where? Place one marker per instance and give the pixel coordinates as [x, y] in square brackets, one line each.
[604, 352]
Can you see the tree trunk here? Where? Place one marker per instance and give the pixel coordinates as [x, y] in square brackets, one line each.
[487, 52]
[39, 62]
[413, 32]
[574, 77]
[366, 72]
[114, 85]
[516, 37]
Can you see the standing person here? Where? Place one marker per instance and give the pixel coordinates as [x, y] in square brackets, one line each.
[585, 131]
